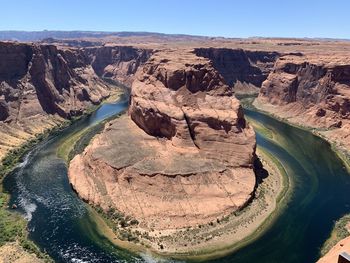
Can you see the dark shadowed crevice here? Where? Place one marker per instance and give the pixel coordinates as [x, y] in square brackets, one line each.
[193, 136]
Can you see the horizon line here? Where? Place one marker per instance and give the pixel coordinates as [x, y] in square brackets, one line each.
[173, 34]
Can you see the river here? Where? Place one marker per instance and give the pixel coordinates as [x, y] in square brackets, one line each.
[63, 226]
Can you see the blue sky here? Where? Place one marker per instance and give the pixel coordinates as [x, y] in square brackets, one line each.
[245, 18]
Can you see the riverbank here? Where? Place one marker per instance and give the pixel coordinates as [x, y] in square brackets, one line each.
[16, 155]
[250, 102]
[340, 234]
[341, 230]
[211, 240]
[14, 242]
[326, 134]
[13, 226]
[76, 143]
[14, 252]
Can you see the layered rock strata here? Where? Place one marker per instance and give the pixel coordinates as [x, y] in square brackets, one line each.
[312, 91]
[244, 70]
[183, 157]
[118, 62]
[41, 85]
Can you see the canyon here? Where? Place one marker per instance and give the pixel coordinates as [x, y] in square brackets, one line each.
[184, 156]
[168, 104]
[42, 85]
[311, 91]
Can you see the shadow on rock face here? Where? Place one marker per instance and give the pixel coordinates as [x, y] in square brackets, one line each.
[4, 111]
[260, 172]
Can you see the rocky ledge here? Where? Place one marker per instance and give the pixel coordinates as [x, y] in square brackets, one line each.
[184, 155]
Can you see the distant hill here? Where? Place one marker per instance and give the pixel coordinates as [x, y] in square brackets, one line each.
[40, 35]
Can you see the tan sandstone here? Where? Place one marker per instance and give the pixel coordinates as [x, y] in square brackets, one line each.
[184, 158]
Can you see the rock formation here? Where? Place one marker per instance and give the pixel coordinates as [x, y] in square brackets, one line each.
[184, 156]
[40, 85]
[311, 91]
[245, 70]
[333, 254]
[118, 62]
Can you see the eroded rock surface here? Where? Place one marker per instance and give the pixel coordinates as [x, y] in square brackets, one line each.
[41, 84]
[118, 62]
[183, 157]
[312, 91]
[245, 70]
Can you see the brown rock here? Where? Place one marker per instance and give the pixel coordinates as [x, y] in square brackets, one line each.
[41, 84]
[118, 62]
[311, 90]
[320, 112]
[184, 159]
[333, 254]
[197, 110]
[238, 66]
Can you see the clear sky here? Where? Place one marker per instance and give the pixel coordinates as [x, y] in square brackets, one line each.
[229, 18]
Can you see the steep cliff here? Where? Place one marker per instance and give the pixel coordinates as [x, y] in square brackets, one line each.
[40, 84]
[184, 156]
[245, 70]
[118, 62]
[312, 91]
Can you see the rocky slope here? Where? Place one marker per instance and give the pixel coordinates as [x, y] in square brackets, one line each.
[40, 84]
[312, 91]
[184, 156]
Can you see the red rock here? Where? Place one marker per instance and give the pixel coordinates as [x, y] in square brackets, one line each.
[311, 90]
[41, 84]
[186, 158]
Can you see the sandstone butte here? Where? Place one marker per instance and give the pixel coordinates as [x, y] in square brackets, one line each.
[305, 82]
[183, 157]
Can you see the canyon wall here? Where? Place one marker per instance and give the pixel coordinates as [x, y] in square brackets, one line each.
[117, 62]
[312, 91]
[41, 85]
[245, 70]
[183, 157]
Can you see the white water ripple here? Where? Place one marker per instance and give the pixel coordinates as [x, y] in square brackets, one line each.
[148, 258]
